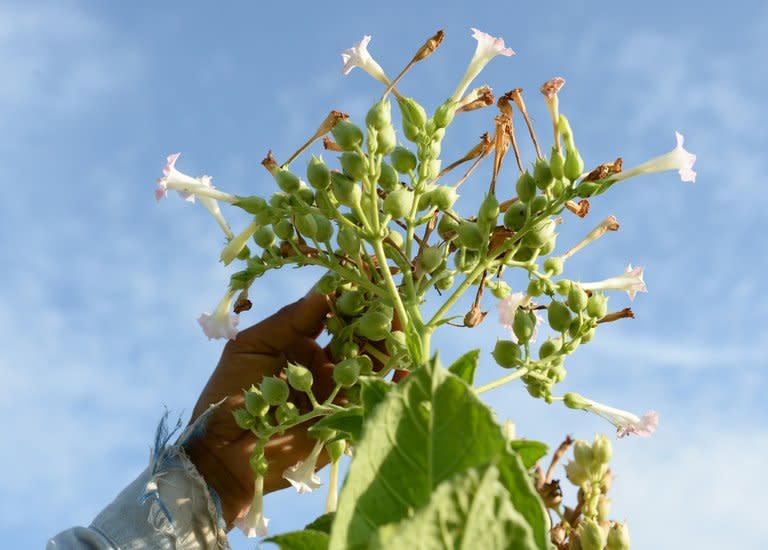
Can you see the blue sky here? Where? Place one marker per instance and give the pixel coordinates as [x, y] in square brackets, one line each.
[101, 286]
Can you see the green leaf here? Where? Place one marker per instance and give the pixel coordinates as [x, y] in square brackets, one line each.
[467, 512]
[372, 392]
[349, 421]
[465, 366]
[426, 430]
[301, 540]
[516, 478]
[529, 451]
[322, 523]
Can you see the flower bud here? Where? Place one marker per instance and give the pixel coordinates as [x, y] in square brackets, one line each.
[346, 191]
[274, 390]
[563, 287]
[353, 165]
[444, 114]
[601, 449]
[577, 299]
[535, 288]
[431, 257]
[557, 163]
[347, 135]
[514, 217]
[349, 241]
[403, 160]
[255, 403]
[443, 197]
[523, 325]
[286, 412]
[318, 174]
[243, 419]
[280, 201]
[412, 112]
[399, 202]
[587, 189]
[540, 233]
[489, 210]
[267, 216]
[550, 346]
[574, 165]
[603, 508]
[597, 306]
[328, 283]
[582, 453]
[470, 235]
[350, 303]
[576, 473]
[586, 338]
[557, 374]
[324, 228]
[446, 228]
[525, 187]
[554, 265]
[591, 535]
[575, 401]
[507, 354]
[265, 237]
[444, 283]
[395, 343]
[559, 316]
[618, 537]
[501, 290]
[542, 174]
[386, 140]
[380, 115]
[304, 194]
[396, 237]
[374, 325]
[252, 205]
[539, 203]
[286, 180]
[299, 377]
[347, 372]
[306, 225]
[388, 177]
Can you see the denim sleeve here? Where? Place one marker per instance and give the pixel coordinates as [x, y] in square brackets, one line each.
[169, 506]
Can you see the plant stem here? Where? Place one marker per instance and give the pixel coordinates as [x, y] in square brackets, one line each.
[378, 247]
[503, 380]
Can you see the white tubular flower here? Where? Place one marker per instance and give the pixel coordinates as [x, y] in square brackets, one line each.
[236, 244]
[631, 281]
[253, 523]
[212, 205]
[677, 159]
[488, 47]
[358, 56]
[222, 323]
[302, 475]
[626, 423]
[608, 224]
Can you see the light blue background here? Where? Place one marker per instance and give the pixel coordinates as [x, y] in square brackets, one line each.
[101, 287]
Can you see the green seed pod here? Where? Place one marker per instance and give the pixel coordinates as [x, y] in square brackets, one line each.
[353, 165]
[540, 233]
[523, 325]
[403, 160]
[618, 537]
[444, 283]
[350, 303]
[300, 378]
[601, 449]
[430, 169]
[347, 372]
[252, 205]
[398, 203]
[577, 299]
[286, 412]
[550, 346]
[586, 338]
[349, 241]
[539, 203]
[264, 237]
[280, 201]
[347, 135]
[334, 324]
[274, 390]
[395, 343]
[536, 389]
[328, 283]
[574, 165]
[558, 188]
[396, 237]
[443, 197]
[366, 365]
[591, 535]
[597, 306]
[380, 115]
[287, 180]
[267, 216]
[557, 374]
[470, 235]
[582, 453]
[374, 325]
[411, 132]
[489, 210]
[388, 177]
[543, 175]
[431, 257]
[444, 114]
[318, 174]
[349, 349]
[446, 228]
[413, 113]
[283, 229]
[574, 329]
[575, 401]
[526, 187]
[335, 449]
[514, 217]
[557, 163]
[386, 141]
[535, 288]
[305, 194]
[559, 316]
[563, 287]
[524, 254]
[306, 225]
[548, 246]
[576, 473]
[243, 419]
[507, 354]
[255, 403]
[346, 191]
[324, 228]
[501, 290]
[554, 265]
[587, 189]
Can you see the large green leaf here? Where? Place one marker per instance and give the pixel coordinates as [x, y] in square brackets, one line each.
[348, 421]
[467, 512]
[301, 540]
[530, 451]
[425, 431]
[465, 366]
[372, 392]
[322, 523]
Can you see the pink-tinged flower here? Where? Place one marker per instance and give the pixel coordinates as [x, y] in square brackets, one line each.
[677, 159]
[358, 56]
[630, 281]
[175, 180]
[487, 48]
[551, 87]
[222, 323]
[302, 475]
[253, 523]
[626, 422]
[507, 309]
